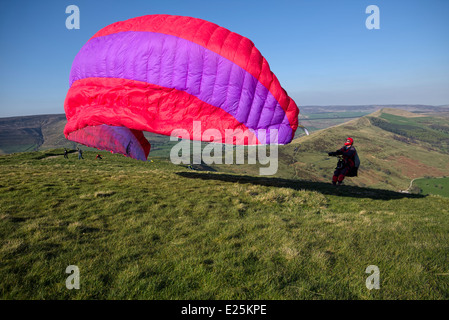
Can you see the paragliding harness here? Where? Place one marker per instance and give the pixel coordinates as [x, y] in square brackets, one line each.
[352, 172]
[340, 163]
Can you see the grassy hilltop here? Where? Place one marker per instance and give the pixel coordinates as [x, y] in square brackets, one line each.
[154, 230]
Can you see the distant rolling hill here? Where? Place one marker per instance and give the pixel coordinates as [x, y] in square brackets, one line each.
[394, 146]
[31, 133]
[41, 132]
[419, 108]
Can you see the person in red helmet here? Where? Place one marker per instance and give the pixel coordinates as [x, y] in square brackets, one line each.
[349, 164]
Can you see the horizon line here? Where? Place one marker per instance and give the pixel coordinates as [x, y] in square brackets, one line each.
[303, 106]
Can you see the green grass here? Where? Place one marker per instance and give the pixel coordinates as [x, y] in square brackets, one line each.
[153, 230]
[436, 186]
[432, 130]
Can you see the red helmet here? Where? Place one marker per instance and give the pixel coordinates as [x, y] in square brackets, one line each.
[349, 141]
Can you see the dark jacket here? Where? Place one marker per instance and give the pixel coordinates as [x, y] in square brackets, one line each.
[348, 153]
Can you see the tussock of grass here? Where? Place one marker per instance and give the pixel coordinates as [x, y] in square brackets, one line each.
[103, 194]
[155, 230]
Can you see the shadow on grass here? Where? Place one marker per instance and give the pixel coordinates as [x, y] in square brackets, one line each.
[321, 187]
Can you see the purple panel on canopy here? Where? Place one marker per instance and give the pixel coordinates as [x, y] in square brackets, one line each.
[173, 62]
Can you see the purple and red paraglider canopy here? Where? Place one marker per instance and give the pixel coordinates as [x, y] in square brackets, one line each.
[158, 73]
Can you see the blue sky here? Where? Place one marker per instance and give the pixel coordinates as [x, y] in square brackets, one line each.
[320, 50]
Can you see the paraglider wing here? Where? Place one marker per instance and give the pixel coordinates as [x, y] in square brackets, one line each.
[158, 73]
